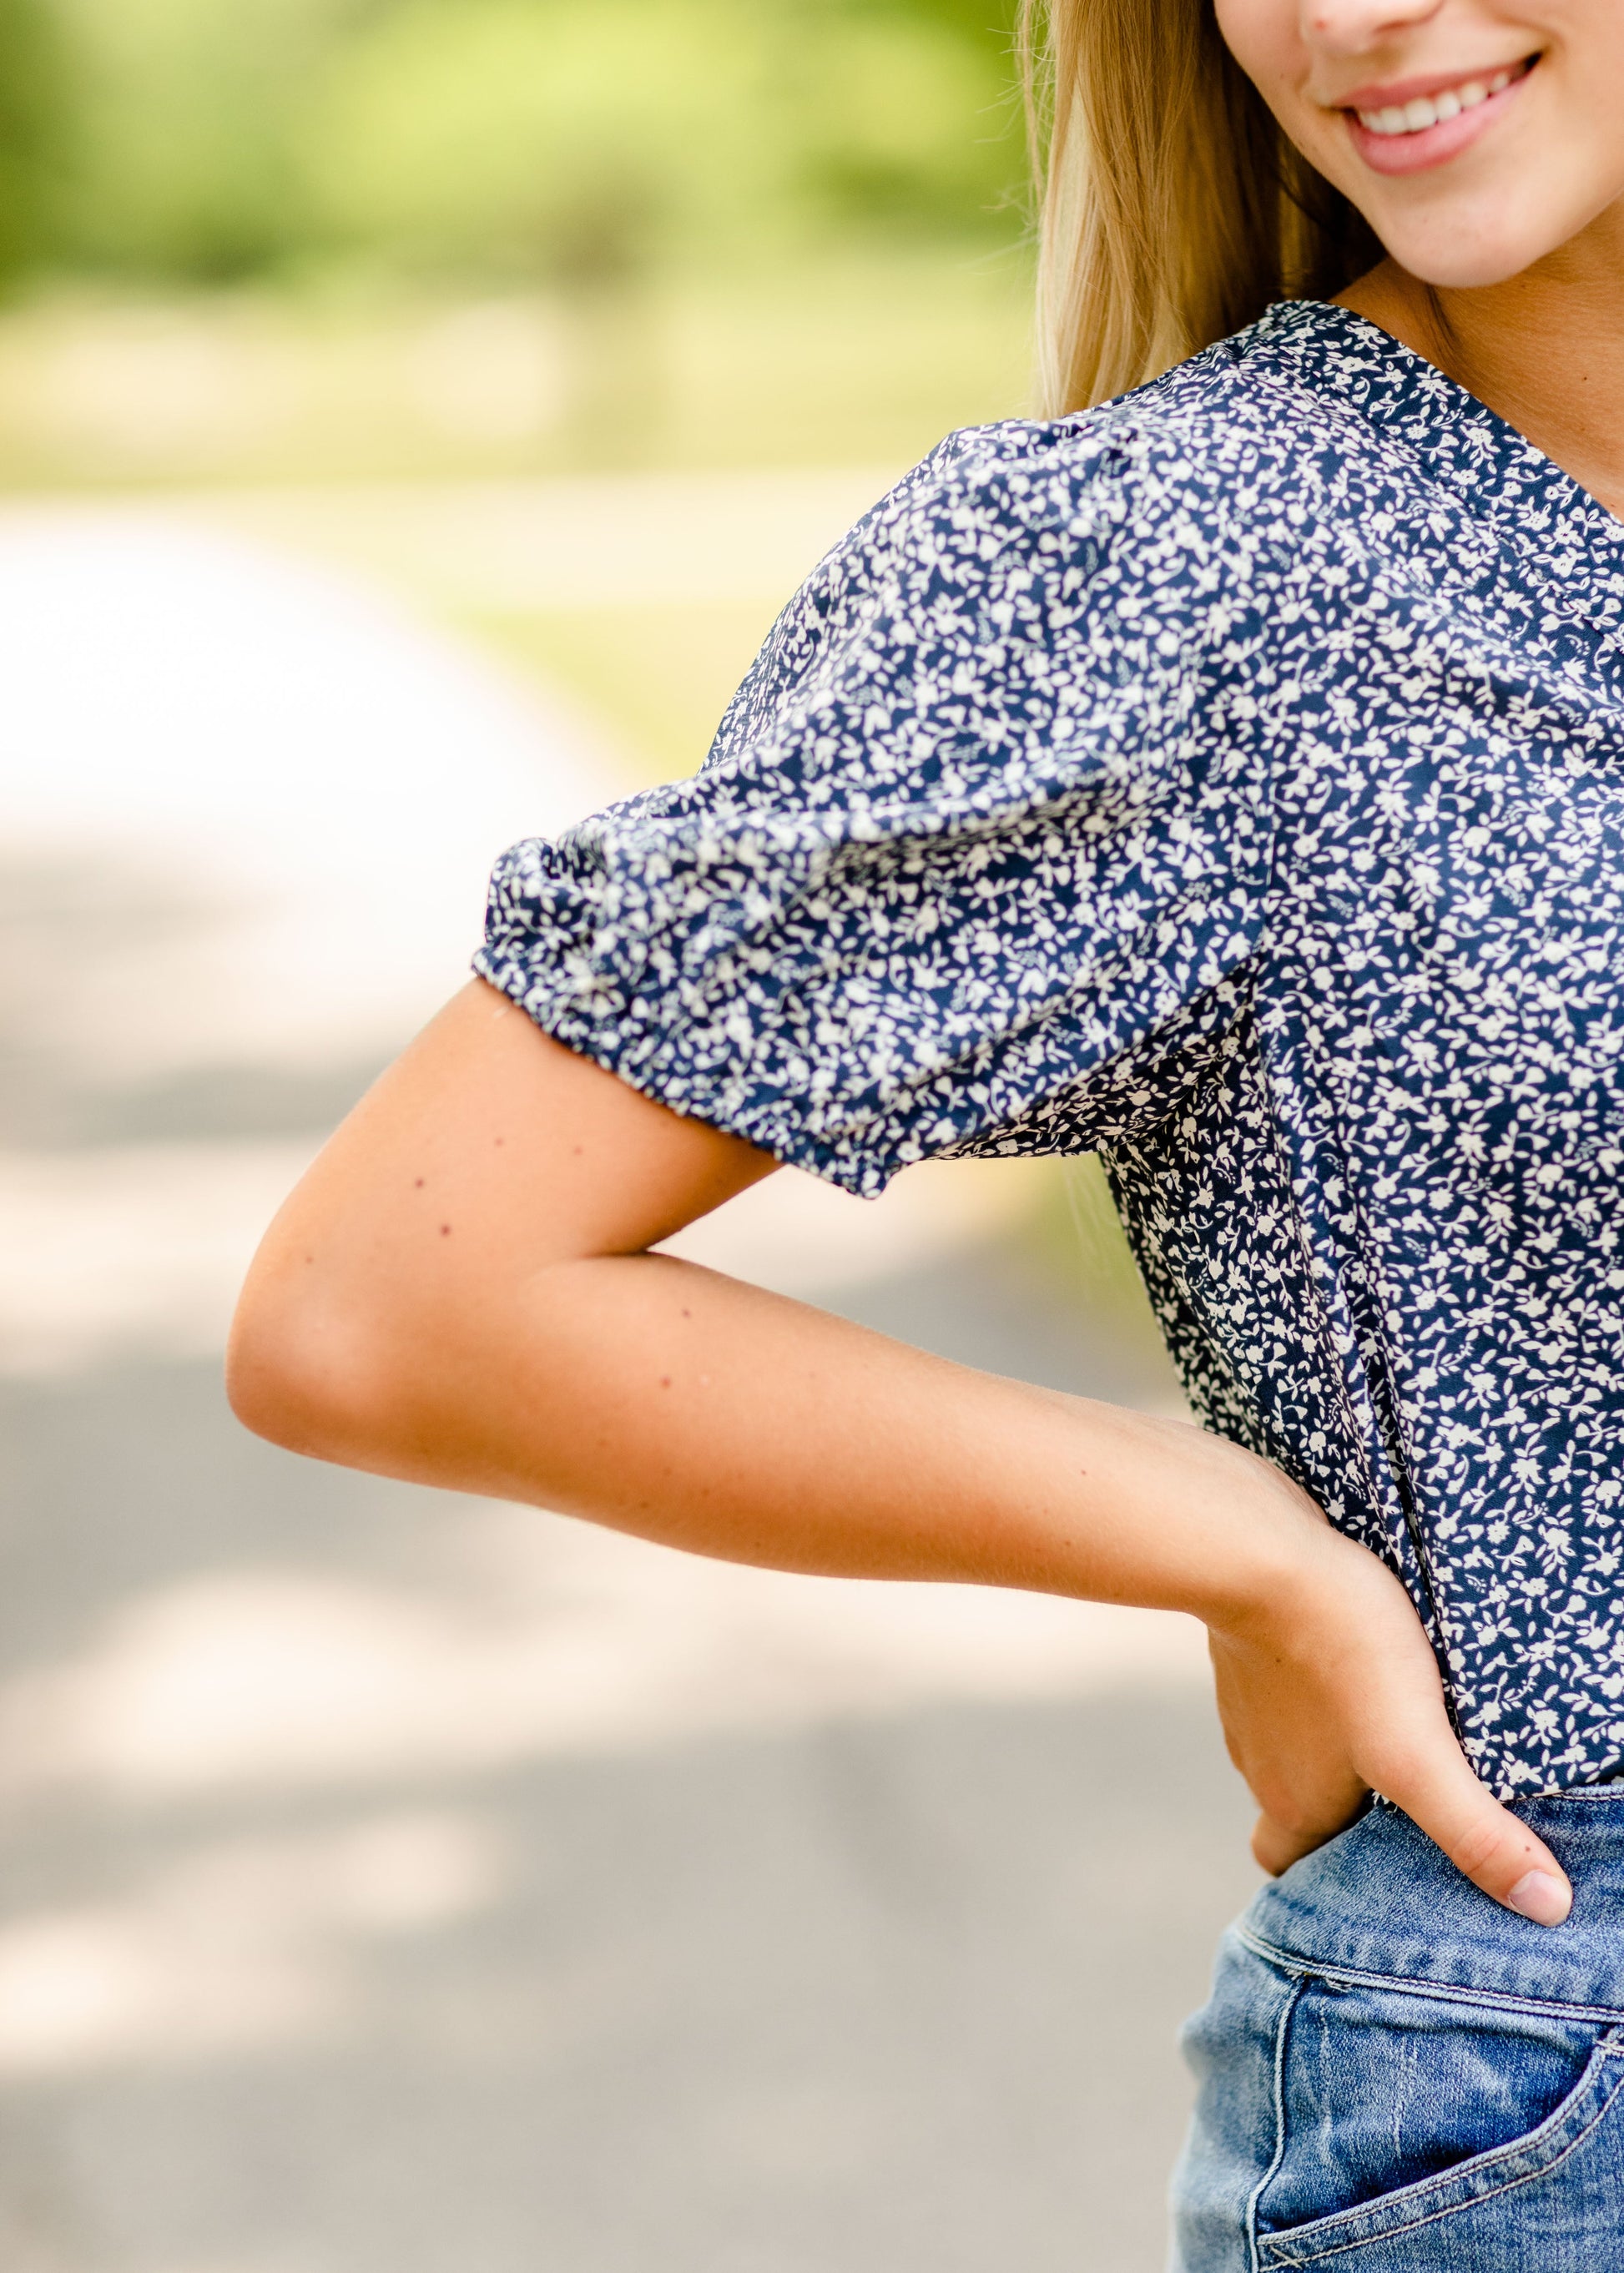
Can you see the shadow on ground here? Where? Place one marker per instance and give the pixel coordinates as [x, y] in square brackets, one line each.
[885, 1992]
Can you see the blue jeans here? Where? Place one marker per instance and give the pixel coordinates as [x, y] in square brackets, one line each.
[1399, 2076]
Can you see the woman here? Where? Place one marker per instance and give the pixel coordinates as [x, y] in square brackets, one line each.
[1231, 780]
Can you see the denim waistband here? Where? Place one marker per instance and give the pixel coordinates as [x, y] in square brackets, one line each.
[1382, 1900]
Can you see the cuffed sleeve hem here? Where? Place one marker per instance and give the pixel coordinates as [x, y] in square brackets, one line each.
[639, 1055]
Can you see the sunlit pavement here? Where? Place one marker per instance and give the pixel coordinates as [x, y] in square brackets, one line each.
[398, 1883]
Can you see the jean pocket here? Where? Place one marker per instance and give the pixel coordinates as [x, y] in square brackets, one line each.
[1427, 2133]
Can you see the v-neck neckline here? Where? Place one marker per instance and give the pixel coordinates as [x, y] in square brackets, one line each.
[1460, 443]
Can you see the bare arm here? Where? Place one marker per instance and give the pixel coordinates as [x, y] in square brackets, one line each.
[459, 1293]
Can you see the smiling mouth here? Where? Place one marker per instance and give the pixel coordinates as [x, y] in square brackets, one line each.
[1427, 110]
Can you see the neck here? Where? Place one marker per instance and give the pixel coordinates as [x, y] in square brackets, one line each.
[1545, 349]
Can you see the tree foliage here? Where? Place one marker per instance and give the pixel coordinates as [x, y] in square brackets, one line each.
[576, 139]
[36, 106]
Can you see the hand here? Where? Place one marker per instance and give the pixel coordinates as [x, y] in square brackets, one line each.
[1330, 1690]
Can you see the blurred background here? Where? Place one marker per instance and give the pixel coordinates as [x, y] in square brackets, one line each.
[412, 415]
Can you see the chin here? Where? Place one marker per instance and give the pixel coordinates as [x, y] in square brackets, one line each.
[1457, 259]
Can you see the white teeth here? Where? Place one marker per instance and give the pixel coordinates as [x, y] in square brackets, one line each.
[1415, 118]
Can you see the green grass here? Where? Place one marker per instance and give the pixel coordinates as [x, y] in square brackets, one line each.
[657, 677]
[858, 362]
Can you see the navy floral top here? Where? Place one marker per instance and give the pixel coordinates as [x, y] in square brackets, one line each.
[1230, 781]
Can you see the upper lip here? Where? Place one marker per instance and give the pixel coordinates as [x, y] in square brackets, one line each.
[1387, 94]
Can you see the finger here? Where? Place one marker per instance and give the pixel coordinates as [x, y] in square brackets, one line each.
[1484, 1840]
[1275, 1846]
[1275, 1849]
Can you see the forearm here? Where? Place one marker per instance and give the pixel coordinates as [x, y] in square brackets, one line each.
[669, 1401]
[461, 1292]
[674, 1403]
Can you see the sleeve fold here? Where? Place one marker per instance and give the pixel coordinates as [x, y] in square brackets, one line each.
[972, 828]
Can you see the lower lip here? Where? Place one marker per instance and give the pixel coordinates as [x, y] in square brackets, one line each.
[1433, 145]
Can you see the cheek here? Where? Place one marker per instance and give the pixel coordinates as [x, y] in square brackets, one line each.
[1593, 31]
[1265, 39]
[1594, 82]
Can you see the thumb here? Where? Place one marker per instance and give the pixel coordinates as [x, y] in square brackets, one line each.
[1484, 1840]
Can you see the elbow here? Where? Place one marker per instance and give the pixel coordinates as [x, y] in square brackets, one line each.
[304, 1368]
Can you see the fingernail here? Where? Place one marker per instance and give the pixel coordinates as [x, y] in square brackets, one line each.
[1538, 1896]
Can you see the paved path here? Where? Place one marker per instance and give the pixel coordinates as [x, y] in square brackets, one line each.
[401, 1882]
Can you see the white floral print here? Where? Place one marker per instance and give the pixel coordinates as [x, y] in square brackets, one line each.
[1229, 780]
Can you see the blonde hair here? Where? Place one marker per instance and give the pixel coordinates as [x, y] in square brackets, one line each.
[1173, 208]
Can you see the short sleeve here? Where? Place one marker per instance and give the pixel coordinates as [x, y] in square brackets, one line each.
[985, 817]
